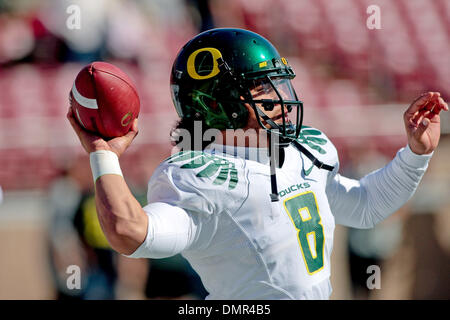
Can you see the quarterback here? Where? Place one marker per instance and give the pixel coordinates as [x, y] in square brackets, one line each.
[254, 217]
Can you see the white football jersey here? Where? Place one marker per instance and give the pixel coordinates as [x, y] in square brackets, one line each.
[214, 207]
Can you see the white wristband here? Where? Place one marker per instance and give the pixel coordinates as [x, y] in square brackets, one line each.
[104, 162]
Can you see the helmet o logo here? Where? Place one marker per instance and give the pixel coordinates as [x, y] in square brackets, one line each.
[191, 64]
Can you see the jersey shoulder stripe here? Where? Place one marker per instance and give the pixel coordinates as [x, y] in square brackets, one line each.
[199, 181]
[319, 145]
[314, 139]
[207, 165]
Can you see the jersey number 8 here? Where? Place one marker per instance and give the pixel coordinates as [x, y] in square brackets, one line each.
[304, 213]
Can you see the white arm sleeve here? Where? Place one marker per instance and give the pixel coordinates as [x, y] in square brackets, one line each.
[170, 231]
[364, 203]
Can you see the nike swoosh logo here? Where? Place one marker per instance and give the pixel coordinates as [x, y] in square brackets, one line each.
[307, 172]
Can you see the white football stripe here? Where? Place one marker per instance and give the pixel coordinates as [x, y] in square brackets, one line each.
[79, 118]
[83, 101]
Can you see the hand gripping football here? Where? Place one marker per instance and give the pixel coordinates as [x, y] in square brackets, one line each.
[104, 100]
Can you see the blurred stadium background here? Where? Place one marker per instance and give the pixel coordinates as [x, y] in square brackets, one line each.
[355, 84]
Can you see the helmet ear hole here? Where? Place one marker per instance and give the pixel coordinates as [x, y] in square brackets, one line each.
[238, 115]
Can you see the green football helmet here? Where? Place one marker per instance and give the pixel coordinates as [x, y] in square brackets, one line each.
[213, 74]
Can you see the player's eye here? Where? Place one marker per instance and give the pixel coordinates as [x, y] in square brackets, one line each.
[259, 93]
[264, 89]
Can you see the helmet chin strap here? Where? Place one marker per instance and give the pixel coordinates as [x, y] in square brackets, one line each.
[267, 119]
[319, 164]
[273, 173]
[273, 152]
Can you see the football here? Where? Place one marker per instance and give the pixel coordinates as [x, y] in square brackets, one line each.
[104, 100]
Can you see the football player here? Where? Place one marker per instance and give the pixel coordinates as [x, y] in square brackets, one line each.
[211, 203]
